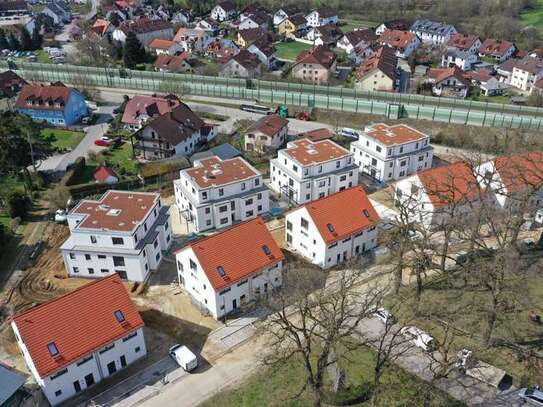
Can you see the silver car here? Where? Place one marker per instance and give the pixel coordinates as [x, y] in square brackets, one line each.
[531, 396]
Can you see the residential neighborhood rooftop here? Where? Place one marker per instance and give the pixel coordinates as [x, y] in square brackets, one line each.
[307, 152]
[44, 97]
[212, 172]
[394, 135]
[147, 106]
[269, 125]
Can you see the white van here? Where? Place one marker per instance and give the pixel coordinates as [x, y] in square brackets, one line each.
[419, 338]
[346, 132]
[184, 357]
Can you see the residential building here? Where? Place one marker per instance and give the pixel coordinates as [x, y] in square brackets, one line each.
[403, 42]
[225, 271]
[357, 39]
[294, 26]
[173, 63]
[222, 50]
[105, 175]
[247, 37]
[209, 25]
[398, 24]
[146, 30]
[305, 171]
[12, 393]
[317, 134]
[267, 133]
[259, 19]
[242, 65]
[10, 86]
[379, 72]
[498, 50]
[102, 28]
[462, 59]
[75, 341]
[388, 153]
[11, 11]
[315, 65]
[436, 195]
[141, 109]
[193, 39]
[59, 11]
[526, 72]
[250, 9]
[432, 32]
[161, 46]
[217, 194]
[465, 43]
[327, 35]
[123, 232]
[265, 51]
[492, 87]
[224, 11]
[182, 17]
[178, 132]
[449, 82]
[285, 12]
[332, 230]
[322, 16]
[505, 70]
[56, 104]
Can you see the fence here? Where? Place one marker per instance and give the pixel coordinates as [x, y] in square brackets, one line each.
[392, 105]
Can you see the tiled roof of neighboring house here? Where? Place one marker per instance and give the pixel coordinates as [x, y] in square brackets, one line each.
[119, 211]
[185, 32]
[532, 65]
[522, 53]
[521, 172]
[253, 8]
[451, 184]
[495, 47]
[397, 24]
[237, 253]
[144, 25]
[100, 27]
[77, 323]
[539, 84]
[161, 43]
[13, 5]
[538, 52]
[298, 20]
[176, 126]
[214, 171]
[227, 5]
[10, 82]
[394, 135]
[397, 39]
[317, 134]
[321, 55]
[252, 34]
[149, 106]
[171, 62]
[290, 10]
[368, 35]
[259, 17]
[342, 214]
[11, 383]
[462, 41]
[326, 12]
[307, 152]
[264, 46]
[383, 59]
[431, 27]
[508, 65]
[440, 74]
[247, 60]
[269, 125]
[45, 97]
[478, 75]
[329, 33]
[103, 173]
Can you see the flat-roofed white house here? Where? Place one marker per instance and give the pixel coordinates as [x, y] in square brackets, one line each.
[75, 341]
[123, 232]
[307, 170]
[388, 153]
[217, 193]
[225, 271]
[332, 230]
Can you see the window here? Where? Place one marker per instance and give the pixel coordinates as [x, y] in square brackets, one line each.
[192, 265]
[259, 196]
[137, 349]
[224, 291]
[87, 256]
[118, 261]
[249, 201]
[221, 191]
[127, 338]
[338, 164]
[104, 270]
[257, 182]
[204, 195]
[93, 239]
[223, 221]
[223, 208]
[289, 238]
[72, 256]
[343, 178]
[58, 393]
[117, 240]
[289, 225]
[155, 244]
[52, 348]
[249, 213]
[243, 186]
[207, 210]
[378, 149]
[421, 158]
[119, 316]
[101, 256]
[75, 269]
[90, 270]
[304, 223]
[242, 283]
[157, 257]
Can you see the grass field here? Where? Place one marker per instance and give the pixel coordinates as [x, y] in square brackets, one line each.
[121, 158]
[63, 139]
[535, 16]
[290, 50]
[353, 23]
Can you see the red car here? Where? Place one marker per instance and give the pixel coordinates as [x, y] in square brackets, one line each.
[102, 143]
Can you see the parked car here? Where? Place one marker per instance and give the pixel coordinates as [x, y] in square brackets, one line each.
[184, 357]
[484, 372]
[102, 143]
[346, 132]
[419, 338]
[464, 257]
[383, 315]
[61, 216]
[531, 396]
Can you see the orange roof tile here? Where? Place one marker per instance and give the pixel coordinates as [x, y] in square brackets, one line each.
[394, 135]
[521, 172]
[397, 39]
[160, 43]
[213, 171]
[78, 323]
[307, 152]
[269, 125]
[239, 250]
[342, 214]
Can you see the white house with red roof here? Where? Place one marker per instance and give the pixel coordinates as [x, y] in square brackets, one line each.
[497, 49]
[224, 11]
[388, 153]
[465, 43]
[333, 229]
[227, 270]
[218, 193]
[403, 42]
[451, 82]
[79, 339]
[142, 108]
[122, 233]
[439, 194]
[305, 170]
[267, 133]
[105, 175]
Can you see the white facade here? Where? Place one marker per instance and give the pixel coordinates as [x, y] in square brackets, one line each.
[315, 19]
[302, 237]
[279, 16]
[220, 14]
[432, 32]
[221, 204]
[523, 78]
[98, 252]
[316, 178]
[463, 60]
[90, 369]
[221, 302]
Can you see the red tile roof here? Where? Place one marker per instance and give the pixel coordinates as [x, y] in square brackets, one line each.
[239, 250]
[347, 212]
[100, 27]
[269, 125]
[102, 173]
[144, 25]
[307, 152]
[10, 83]
[172, 62]
[319, 55]
[397, 39]
[521, 172]
[212, 171]
[395, 134]
[495, 47]
[451, 184]
[441, 74]
[161, 43]
[383, 59]
[44, 97]
[150, 106]
[78, 323]
[317, 134]
[461, 41]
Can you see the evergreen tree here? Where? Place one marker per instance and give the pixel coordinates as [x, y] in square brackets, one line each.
[37, 38]
[14, 43]
[4, 44]
[26, 41]
[134, 53]
[114, 19]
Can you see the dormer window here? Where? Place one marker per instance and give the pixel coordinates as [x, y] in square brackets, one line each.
[119, 316]
[330, 227]
[366, 213]
[52, 348]
[266, 250]
[220, 271]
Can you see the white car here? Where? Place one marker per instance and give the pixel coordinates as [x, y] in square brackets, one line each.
[183, 357]
[61, 216]
[419, 338]
[385, 316]
[105, 138]
[346, 132]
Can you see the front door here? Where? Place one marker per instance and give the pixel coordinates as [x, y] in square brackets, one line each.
[265, 287]
[123, 361]
[111, 367]
[89, 380]
[234, 304]
[338, 258]
[77, 386]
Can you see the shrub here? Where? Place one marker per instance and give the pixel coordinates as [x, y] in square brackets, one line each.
[18, 205]
[14, 224]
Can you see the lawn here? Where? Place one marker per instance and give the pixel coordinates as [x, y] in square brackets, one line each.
[43, 57]
[121, 159]
[63, 139]
[290, 50]
[354, 23]
[278, 386]
[534, 16]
